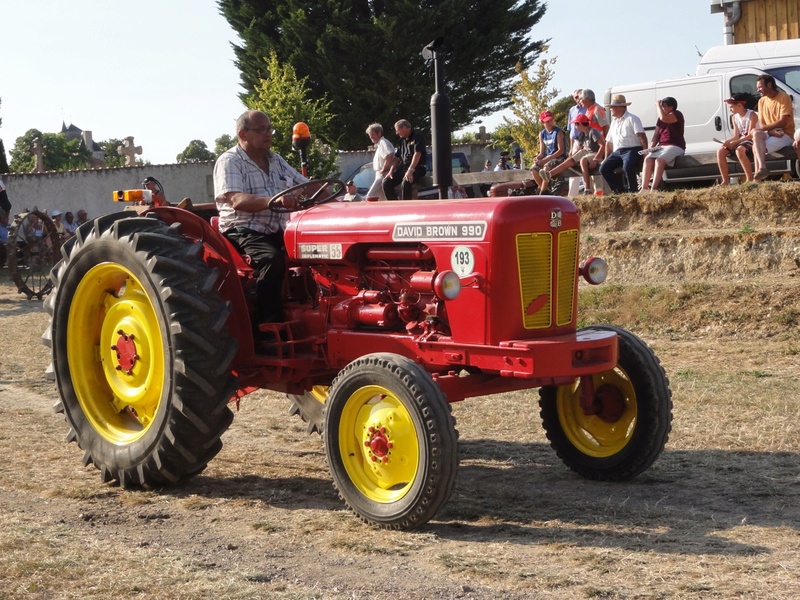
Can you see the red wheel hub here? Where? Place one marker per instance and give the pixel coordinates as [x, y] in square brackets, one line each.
[379, 444]
[126, 352]
[610, 402]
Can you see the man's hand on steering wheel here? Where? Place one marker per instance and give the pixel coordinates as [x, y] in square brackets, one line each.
[305, 195]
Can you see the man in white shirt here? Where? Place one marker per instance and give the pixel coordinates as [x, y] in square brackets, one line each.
[626, 138]
[381, 162]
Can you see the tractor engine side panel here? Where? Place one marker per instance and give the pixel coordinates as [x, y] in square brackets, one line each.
[516, 259]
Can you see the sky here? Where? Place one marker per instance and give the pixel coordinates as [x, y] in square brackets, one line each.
[163, 71]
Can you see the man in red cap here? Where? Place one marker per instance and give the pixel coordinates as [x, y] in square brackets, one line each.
[587, 143]
[552, 147]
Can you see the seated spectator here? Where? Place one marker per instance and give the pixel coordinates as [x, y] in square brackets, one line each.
[456, 191]
[352, 194]
[586, 144]
[666, 145]
[502, 164]
[575, 110]
[625, 140]
[598, 118]
[60, 229]
[3, 228]
[3, 236]
[741, 142]
[83, 217]
[552, 147]
[775, 124]
[70, 224]
[487, 166]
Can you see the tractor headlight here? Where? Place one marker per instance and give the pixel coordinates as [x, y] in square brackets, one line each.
[447, 285]
[594, 270]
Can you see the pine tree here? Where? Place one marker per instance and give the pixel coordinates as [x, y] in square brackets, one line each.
[365, 55]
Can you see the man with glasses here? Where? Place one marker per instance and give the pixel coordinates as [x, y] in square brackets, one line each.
[246, 177]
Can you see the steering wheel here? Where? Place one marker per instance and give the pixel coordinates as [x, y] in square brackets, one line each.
[316, 191]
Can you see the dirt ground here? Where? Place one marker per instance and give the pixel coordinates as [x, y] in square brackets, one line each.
[717, 516]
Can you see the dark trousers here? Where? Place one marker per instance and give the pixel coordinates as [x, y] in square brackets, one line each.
[390, 183]
[268, 260]
[631, 162]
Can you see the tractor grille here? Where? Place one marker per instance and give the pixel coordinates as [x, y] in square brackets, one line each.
[536, 281]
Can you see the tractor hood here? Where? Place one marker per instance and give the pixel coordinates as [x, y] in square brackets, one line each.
[328, 231]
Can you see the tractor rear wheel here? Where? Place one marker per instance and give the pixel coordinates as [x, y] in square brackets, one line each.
[632, 421]
[390, 441]
[140, 349]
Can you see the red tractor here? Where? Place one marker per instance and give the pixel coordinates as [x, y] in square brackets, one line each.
[393, 310]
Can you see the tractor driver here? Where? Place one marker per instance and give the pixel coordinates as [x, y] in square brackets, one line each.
[245, 179]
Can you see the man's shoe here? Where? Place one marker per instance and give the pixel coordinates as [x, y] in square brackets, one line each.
[761, 174]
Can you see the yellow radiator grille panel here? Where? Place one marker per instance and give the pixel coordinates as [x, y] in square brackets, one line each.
[534, 259]
[567, 265]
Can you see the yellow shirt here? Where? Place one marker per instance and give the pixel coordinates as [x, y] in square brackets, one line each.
[772, 109]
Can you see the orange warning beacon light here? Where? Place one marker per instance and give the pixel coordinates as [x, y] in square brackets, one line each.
[301, 140]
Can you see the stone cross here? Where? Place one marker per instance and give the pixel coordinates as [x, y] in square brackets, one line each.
[482, 137]
[129, 151]
[38, 153]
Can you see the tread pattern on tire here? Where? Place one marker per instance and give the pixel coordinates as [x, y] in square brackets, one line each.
[438, 427]
[654, 422]
[198, 370]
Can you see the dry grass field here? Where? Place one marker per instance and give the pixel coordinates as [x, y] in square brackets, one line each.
[717, 516]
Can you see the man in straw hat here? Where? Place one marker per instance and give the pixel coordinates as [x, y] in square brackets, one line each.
[625, 140]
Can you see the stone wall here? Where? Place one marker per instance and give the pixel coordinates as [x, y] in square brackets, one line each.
[92, 189]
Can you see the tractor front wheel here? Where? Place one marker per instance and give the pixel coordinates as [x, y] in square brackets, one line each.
[140, 349]
[390, 441]
[630, 423]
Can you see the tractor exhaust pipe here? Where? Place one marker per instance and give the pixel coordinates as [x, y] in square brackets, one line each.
[440, 121]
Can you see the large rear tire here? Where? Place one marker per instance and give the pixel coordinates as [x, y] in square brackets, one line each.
[633, 419]
[141, 352]
[390, 441]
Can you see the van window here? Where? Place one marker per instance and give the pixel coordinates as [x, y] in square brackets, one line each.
[789, 75]
[746, 84]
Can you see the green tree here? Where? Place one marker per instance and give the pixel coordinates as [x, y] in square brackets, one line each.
[224, 142]
[286, 99]
[365, 55]
[59, 154]
[196, 151]
[529, 98]
[3, 160]
[111, 155]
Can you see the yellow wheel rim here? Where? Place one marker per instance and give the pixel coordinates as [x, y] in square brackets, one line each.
[378, 444]
[116, 353]
[600, 436]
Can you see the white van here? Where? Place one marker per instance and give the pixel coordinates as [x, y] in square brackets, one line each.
[725, 70]
[781, 59]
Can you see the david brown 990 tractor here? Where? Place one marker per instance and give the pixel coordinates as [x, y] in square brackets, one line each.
[392, 311]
